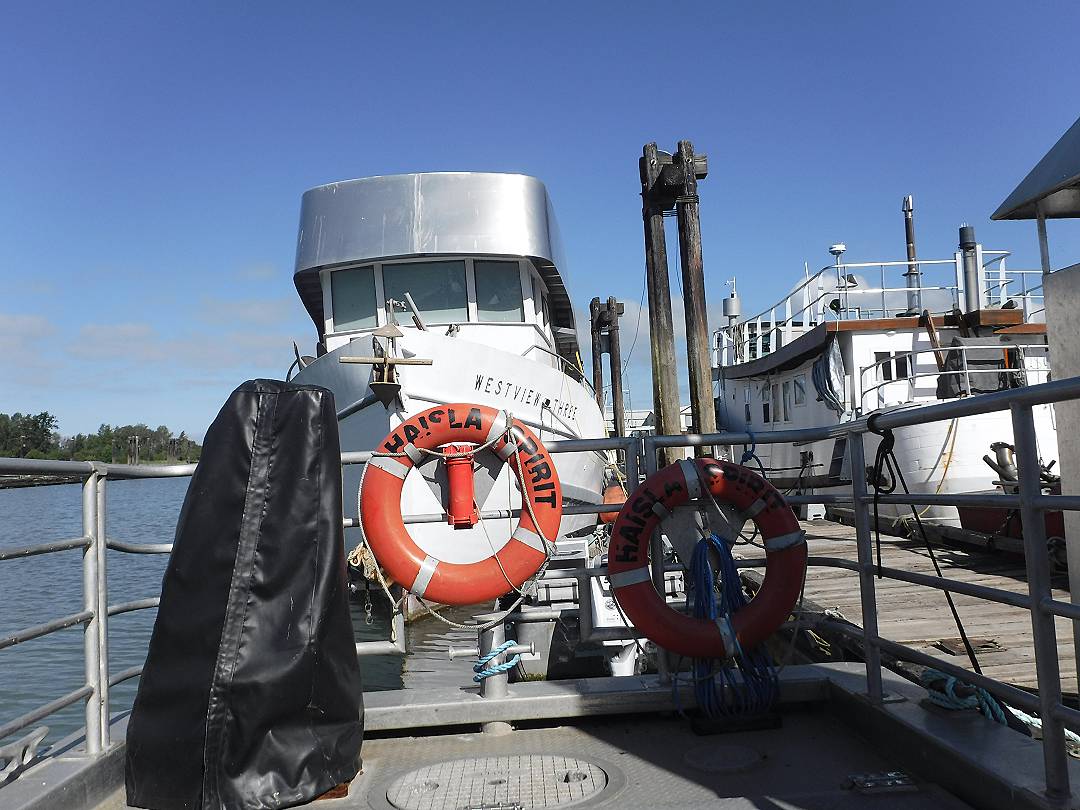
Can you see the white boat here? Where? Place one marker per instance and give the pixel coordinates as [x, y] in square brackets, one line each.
[858, 338]
[455, 278]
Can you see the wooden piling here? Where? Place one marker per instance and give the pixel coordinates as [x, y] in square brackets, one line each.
[597, 352]
[698, 360]
[656, 196]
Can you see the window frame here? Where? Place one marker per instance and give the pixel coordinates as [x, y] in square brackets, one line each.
[474, 314]
[799, 387]
[536, 316]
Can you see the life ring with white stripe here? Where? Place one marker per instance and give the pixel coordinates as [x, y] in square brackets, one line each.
[755, 499]
[457, 583]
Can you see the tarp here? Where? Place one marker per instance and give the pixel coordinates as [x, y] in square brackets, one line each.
[828, 376]
[251, 695]
[987, 361]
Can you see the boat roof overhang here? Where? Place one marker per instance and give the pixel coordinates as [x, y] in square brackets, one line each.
[1053, 185]
[432, 214]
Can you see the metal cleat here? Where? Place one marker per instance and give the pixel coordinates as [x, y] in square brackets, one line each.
[17, 756]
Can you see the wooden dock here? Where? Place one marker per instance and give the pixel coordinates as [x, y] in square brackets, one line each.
[919, 617]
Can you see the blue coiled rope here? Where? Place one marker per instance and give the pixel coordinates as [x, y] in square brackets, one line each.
[483, 671]
[945, 695]
[723, 693]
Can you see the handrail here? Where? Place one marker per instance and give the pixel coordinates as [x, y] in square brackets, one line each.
[577, 372]
[765, 331]
[44, 548]
[38, 630]
[965, 372]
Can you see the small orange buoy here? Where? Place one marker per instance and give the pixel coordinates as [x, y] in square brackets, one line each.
[613, 493]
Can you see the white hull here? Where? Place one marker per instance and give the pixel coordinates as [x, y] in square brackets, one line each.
[465, 371]
[936, 458]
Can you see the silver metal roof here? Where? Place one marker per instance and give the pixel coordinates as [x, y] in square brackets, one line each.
[1054, 182]
[429, 214]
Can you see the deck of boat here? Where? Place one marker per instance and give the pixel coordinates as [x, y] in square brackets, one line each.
[636, 761]
[919, 617]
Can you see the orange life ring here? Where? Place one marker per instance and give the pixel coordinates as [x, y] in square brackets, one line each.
[411, 566]
[756, 499]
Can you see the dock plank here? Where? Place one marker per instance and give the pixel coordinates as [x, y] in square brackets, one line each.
[918, 617]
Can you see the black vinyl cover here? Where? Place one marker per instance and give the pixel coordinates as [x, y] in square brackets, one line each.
[251, 693]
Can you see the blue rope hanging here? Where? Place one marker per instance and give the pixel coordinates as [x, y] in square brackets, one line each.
[749, 683]
[750, 454]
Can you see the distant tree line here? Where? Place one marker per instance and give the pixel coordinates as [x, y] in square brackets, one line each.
[36, 436]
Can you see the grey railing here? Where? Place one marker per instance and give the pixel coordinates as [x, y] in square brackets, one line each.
[832, 294]
[1030, 501]
[929, 370]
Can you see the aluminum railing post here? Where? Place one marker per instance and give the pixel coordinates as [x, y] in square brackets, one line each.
[90, 629]
[867, 593]
[1044, 634]
[102, 611]
[649, 445]
[631, 452]
[656, 559]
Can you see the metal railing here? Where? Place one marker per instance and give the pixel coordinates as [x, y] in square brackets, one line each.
[1029, 370]
[834, 293]
[1029, 501]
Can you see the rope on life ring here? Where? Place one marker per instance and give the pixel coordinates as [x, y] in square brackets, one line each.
[532, 540]
[756, 499]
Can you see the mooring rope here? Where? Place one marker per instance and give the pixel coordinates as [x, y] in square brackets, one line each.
[483, 671]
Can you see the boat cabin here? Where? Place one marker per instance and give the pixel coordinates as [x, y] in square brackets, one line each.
[469, 252]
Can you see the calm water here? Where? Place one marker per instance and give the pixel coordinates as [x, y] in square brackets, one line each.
[44, 587]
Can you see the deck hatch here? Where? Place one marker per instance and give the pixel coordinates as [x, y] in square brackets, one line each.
[525, 781]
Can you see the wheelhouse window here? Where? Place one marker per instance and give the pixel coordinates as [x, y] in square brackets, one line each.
[892, 366]
[437, 288]
[353, 294]
[538, 309]
[498, 291]
[787, 400]
[800, 389]
[777, 404]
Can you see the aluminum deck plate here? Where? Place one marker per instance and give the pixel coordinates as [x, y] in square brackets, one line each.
[646, 761]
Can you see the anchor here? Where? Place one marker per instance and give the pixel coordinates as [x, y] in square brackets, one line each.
[384, 384]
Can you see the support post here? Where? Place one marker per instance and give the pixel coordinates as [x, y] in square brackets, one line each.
[496, 685]
[1044, 634]
[614, 310]
[597, 352]
[702, 405]
[1044, 245]
[865, 545]
[90, 602]
[661, 331]
[102, 612]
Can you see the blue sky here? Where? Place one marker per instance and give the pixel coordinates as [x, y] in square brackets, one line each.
[152, 157]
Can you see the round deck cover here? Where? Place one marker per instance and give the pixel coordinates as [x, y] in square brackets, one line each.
[527, 781]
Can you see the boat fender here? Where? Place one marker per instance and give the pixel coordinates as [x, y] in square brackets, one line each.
[613, 493]
[751, 495]
[457, 583]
